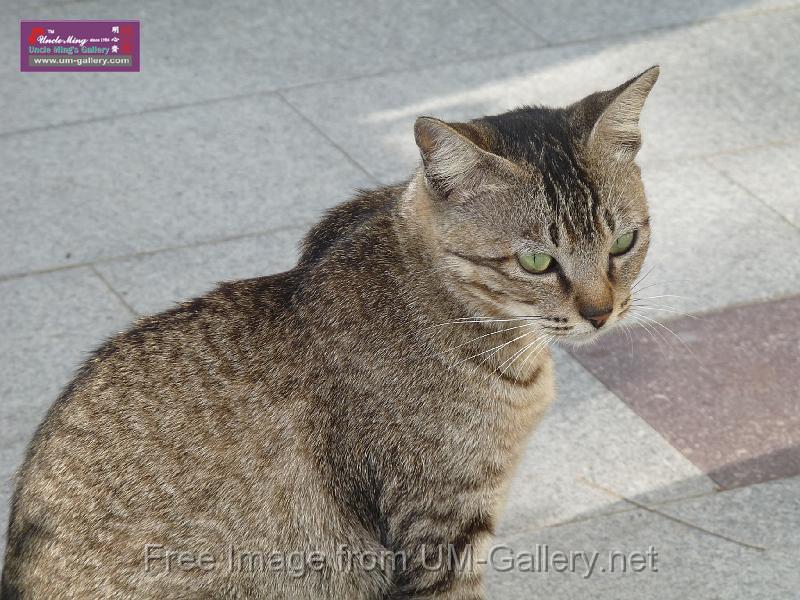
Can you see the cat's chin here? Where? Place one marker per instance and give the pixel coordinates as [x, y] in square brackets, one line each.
[582, 338]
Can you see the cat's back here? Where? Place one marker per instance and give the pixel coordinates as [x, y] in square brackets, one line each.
[156, 421]
[200, 425]
[168, 374]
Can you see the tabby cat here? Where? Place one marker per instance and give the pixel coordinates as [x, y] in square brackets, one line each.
[346, 429]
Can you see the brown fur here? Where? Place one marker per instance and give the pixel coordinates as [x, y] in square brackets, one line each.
[362, 400]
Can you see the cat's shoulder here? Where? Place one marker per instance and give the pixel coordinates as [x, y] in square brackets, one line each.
[344, 220]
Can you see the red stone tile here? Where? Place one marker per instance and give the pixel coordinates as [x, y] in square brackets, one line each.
[727, 397]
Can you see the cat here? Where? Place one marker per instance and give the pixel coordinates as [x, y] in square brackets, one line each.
[361, 414]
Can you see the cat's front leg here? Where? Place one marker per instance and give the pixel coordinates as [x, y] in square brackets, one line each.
[442, 584]
[447, 568]
[460, 587]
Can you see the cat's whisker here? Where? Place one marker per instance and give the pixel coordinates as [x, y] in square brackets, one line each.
[503, 368]
[668, 309]
[493, 320]
[510, 361]
[642, 278]
[677, 337]
[494, 350]
[651, 331]
[648, 301]
[467, 320]
[626, 327]
[548, 339]
[481, 337]
[499, 367]
[653, 323]
[664, 296]
[665, 282]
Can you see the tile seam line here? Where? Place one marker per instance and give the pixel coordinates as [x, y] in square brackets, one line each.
[268, 92]
[582, 518]
[137, 113]
[304, 227]
[66, 3]
[751, 194]
[590, 516]
[145, 253]
[715, 310]
[692, 156]
[524, 24]
[404, 70]
[306, 119]
[643, 421]
[743, 15]
[673, 518]
[719, 488]
[114, 292]
[722, 18]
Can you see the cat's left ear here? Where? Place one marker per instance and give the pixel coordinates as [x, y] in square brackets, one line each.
[454, 155]
[610, 119]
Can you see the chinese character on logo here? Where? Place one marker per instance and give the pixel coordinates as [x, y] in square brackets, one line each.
[115, 29]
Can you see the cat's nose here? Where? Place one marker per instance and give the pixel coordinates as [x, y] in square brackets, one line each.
[596, 315]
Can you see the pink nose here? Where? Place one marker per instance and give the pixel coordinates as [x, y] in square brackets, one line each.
[597, 316]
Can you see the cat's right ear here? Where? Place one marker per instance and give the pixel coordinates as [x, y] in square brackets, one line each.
[611, 119]
[450, 153]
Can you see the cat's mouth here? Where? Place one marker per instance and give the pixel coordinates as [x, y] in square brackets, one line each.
[574, 334]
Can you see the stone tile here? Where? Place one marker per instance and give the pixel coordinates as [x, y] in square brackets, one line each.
[153, 282]
[765, 515]
[726, 397]
[690, 563]
[704, 103]
[49, 323]
[564, 21]
[164, 179]
[590, 435]
[197, 50]
[768, 173]
[705, 230]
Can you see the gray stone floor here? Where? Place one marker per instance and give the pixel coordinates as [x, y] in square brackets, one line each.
[123, 193]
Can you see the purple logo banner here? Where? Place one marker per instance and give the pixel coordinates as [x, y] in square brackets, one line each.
[79, 45]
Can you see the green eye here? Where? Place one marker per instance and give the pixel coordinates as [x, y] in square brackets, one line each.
[623, 243]
[535, 262]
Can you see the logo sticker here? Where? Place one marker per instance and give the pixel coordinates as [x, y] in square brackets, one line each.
[79, 45]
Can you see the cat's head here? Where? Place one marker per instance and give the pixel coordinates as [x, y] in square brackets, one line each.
[541, 212]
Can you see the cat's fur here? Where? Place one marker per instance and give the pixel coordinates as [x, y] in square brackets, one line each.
[342, 407]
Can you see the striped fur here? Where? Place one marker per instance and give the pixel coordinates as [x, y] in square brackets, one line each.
[358, 405]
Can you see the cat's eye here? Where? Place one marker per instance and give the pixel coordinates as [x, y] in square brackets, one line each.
[535, 262]
[623, 243]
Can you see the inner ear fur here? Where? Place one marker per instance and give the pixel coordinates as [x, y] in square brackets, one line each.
[456, 155]
[610, 119]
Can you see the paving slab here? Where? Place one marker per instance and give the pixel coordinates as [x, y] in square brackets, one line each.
[770, 174]
[690, 563]
[49, 323]
[162, 180]
[198, 50]
[570, 20]
[154, 282]
[589, 438]
[698, 107]
[725, 395]
[765, 514]
[713, 244]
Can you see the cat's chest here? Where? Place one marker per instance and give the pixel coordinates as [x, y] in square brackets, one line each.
[513, 405]
[490, 420]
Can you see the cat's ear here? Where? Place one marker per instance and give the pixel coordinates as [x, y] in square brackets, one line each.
[611, 119]
[451, 153]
